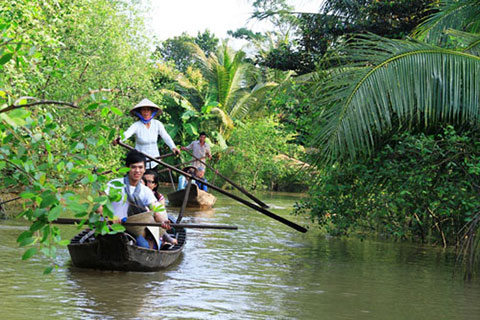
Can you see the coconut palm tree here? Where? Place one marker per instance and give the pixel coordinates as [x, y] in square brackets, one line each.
[232, 92]
[385, 85]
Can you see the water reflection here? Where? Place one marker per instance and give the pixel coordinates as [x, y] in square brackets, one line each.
[112, 295]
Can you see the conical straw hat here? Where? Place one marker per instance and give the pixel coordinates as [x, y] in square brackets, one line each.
[145, 217]
[145, 103]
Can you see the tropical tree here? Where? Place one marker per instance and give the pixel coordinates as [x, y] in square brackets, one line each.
[384, 85]
[232, 91]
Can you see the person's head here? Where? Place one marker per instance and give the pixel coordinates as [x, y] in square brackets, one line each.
[200, 172]
[150, 178]
[190, 170]
[145, 110]
[202, 137]
[136, 162]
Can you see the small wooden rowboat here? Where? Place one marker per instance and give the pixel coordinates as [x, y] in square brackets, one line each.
[196, 199]
[119, 252]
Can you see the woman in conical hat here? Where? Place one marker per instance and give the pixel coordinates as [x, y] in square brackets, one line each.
[147, 129]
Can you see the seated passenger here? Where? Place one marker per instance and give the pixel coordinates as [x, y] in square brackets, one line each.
[200, 175]
[135, 198]
[182, 180]
[150, 179]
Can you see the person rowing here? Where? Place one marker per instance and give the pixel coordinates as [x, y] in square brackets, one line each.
[146, 130]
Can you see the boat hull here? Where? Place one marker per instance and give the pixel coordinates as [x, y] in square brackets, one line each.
[117, 252]
[196, 199]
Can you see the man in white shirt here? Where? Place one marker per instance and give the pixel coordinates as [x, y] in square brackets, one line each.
[134, 197]
[200, 149]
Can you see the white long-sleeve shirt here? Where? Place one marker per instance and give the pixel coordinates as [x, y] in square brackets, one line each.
[146, 138]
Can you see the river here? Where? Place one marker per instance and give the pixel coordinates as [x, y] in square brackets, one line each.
[264, 270]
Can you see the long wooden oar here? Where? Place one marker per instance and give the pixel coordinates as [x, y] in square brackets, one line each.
[245, 192]
[142, 224]
[185, 200]
[245, 202]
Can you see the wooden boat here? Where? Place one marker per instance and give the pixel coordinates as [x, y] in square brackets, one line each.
[196, 199]
[118, 252]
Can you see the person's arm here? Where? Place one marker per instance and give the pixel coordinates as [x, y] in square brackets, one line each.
[127, 134]
[166, 137]
[130, 131]
[189, 147]
[208, 152]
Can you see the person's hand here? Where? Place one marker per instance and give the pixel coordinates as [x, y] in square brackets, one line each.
[183, 148]
[166, 225]
[116, 220]
[176, 151]
[115, 141]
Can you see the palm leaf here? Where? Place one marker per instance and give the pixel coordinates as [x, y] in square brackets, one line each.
[388, 84]
[468, 42]
[249, 103]
[454, 14]
[178, 97]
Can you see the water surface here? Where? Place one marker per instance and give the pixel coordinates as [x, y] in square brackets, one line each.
[262, 271]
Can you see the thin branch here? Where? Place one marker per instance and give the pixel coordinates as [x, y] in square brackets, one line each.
[36, 103]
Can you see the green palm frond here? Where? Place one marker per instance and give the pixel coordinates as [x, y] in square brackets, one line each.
[225, 71]
[178, 97]
[226, 121]
[453, 14]
[468, 42]
[389, 84]
[250, 102]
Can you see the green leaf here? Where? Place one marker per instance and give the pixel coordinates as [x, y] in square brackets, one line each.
[93, 106]
[27, 195]
[5, 58]
[117, 228]
[26, 242]
[77, 207]
[37, 225]
[24, 235]
[116, 111]
[121, 171]
[29, 253]
[118, 183]
[64, 242]
[55, 213]
[48, 270]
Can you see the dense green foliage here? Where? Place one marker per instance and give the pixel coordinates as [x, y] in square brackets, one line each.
[421, 187]
[379, 87]
[261, 157]
[60, 62]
